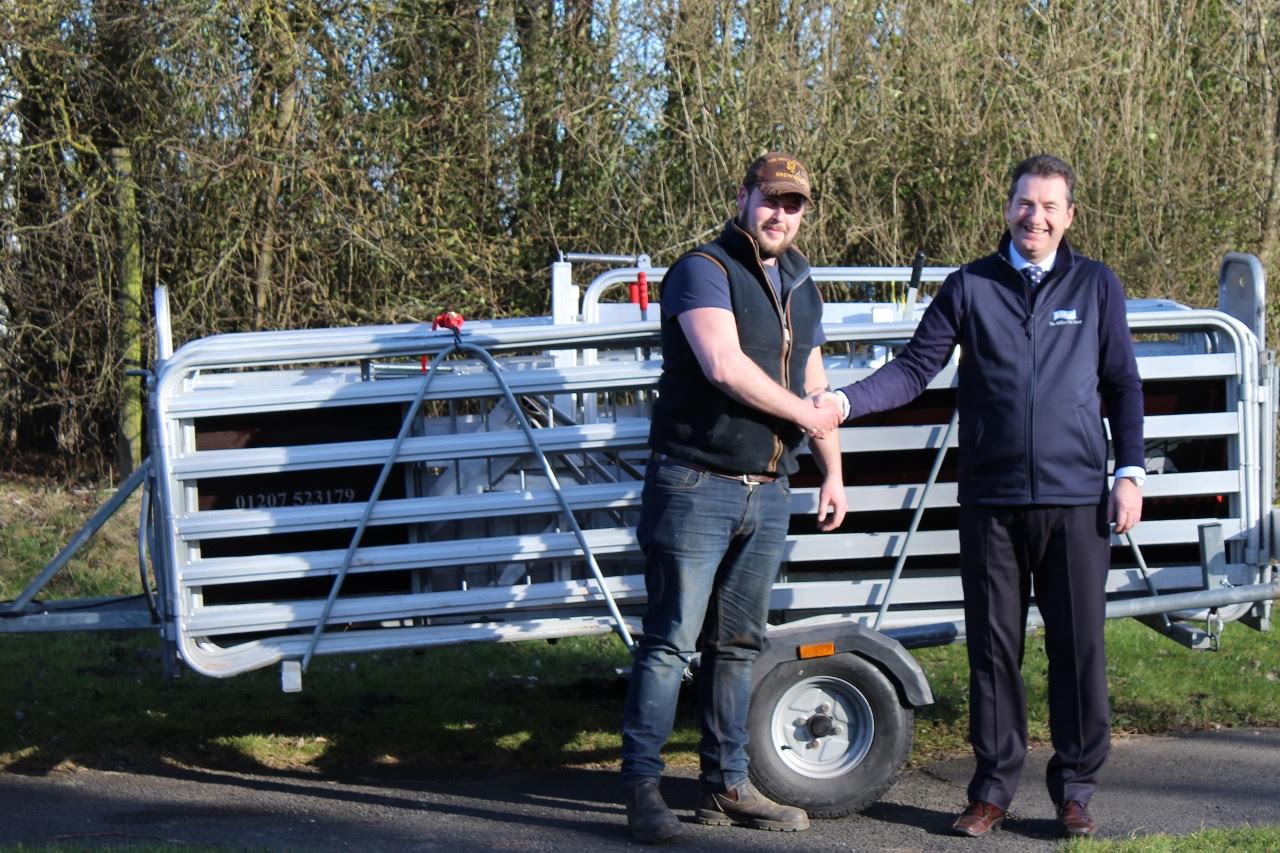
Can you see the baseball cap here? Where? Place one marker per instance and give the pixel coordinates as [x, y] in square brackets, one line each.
[777, 173]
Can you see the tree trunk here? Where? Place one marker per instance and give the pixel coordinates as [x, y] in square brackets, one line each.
[280, 93]
[1271, 136]
[129, 294]
[287, 102]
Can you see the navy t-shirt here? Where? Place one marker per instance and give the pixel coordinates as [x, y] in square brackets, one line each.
[699, 282]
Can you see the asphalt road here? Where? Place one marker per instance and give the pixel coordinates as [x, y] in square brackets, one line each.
[1173, 784]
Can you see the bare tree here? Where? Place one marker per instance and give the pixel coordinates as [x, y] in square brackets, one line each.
[304, 163]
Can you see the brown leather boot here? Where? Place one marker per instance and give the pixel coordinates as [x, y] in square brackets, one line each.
[746, 806]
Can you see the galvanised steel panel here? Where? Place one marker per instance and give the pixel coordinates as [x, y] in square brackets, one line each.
[209, 379]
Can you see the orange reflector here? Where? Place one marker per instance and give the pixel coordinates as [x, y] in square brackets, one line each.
[817, 650]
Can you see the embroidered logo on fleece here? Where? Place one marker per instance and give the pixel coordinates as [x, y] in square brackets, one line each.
[1064, 317]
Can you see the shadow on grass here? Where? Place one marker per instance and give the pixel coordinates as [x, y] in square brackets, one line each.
[101, 701]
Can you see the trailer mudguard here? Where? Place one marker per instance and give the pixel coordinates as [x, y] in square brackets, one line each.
[783, 644]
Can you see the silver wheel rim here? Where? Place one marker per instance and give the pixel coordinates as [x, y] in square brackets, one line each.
[835, 753]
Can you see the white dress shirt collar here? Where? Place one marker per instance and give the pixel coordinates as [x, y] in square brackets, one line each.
[1019, 262]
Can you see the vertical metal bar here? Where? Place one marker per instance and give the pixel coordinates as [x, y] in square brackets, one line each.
[457, 463]
[164, 324]
[144, 551]
[1146, 578]
[915, 518]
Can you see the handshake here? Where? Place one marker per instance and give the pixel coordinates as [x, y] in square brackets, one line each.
[825, 415]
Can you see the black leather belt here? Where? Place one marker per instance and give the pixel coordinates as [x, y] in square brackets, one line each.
[745, 479]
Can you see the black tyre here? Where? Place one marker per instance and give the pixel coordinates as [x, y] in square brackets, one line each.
[828, 735]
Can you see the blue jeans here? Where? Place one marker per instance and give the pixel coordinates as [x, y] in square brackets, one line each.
[712, 547]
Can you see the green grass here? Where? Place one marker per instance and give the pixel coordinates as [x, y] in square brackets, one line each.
[1244, 839]
[37, 520]
[101, 700]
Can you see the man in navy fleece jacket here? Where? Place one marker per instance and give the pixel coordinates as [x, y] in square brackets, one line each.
[1043, 341]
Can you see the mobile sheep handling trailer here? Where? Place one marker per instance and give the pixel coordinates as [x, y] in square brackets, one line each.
[331, 491]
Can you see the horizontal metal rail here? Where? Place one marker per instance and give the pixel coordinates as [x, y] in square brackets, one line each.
[220, 662]
[321, 346]
[419, 555]
[495, 603]
[856, 594]
[942, 633]
[234, 393]
[224, 661]
[615, 540]
[106, 613]
[221, 524]
[425, 449]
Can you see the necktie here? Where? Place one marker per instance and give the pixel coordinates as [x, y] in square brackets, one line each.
[1033, 274]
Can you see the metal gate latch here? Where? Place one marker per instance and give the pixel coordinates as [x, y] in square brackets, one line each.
[1213, 629]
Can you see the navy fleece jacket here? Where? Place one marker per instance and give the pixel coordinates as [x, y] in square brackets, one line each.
[1035, 366]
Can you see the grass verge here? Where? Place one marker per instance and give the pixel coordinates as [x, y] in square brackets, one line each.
[101, 700]
[1244, 839]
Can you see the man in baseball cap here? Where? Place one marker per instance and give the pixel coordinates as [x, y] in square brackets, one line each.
[741, 349]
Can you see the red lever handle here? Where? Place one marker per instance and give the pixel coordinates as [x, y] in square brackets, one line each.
[448, 320]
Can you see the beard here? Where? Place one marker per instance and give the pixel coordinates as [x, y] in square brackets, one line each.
[773, 248]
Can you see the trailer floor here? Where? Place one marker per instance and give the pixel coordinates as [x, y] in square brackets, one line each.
[1175, 784]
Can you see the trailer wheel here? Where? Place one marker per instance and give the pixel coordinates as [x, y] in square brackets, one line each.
[828, 735]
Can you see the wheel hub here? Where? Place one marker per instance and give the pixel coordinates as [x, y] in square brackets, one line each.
[820, 725]
[823, 727]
